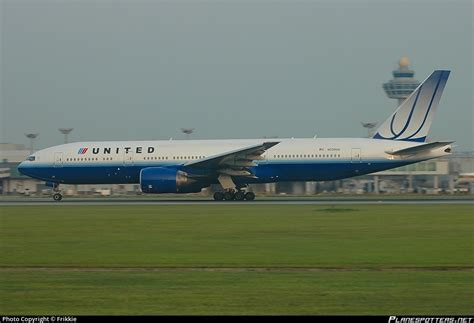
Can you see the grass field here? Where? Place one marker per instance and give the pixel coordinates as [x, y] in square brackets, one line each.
[237, 259]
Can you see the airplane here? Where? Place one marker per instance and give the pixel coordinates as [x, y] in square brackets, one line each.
[188, 166]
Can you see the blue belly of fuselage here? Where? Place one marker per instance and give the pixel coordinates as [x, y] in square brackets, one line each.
[267, 172]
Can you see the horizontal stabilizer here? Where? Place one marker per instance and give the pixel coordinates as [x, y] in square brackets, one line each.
[420, 148]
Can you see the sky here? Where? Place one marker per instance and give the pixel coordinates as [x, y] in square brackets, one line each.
[141, 70]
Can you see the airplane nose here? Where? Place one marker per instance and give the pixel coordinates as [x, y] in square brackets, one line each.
[21, 168]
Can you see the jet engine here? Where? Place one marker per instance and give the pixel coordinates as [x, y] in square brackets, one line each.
[168, 180]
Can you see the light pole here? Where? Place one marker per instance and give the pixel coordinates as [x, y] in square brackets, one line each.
[32, 137]
[187, 132]
[369, 126]
[65, 132]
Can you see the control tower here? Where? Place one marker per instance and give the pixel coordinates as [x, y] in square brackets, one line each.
[403, 83]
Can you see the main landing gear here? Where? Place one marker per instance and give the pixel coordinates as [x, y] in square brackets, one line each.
[232, 192]
[232, 195]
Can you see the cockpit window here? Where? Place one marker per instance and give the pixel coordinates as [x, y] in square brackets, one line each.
[31, 158]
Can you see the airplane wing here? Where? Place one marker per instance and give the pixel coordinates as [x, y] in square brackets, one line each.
[235, 162]
[420, 148]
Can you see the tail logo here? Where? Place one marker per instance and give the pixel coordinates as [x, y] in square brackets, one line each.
[412, 120]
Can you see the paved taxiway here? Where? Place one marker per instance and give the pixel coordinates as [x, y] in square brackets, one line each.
[262, 201]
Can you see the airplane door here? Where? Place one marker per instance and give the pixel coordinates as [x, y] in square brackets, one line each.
[58, 159]
[128, 159]
[355, 156]
[264, 161]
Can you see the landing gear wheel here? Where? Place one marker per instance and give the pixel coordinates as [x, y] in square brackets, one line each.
[229, 196]
[250, 196]
[218, 196]
[239, 196]
[57, 197]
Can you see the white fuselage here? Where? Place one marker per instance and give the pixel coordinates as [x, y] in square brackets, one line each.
[290, 159]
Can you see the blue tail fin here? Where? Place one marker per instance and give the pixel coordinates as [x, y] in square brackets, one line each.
[412, 119]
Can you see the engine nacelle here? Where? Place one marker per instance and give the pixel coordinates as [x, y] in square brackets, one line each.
[168, 180]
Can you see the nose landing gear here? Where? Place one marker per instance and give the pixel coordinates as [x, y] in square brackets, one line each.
[57, 196]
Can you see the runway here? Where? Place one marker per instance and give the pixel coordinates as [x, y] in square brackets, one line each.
[261, 201]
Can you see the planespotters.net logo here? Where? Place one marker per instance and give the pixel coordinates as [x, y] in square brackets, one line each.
[395, 319]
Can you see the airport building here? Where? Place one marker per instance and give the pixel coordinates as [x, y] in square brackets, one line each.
[403, 82]
[11, 181]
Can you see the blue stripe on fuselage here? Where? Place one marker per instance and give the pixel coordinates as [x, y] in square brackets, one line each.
[273, 171]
